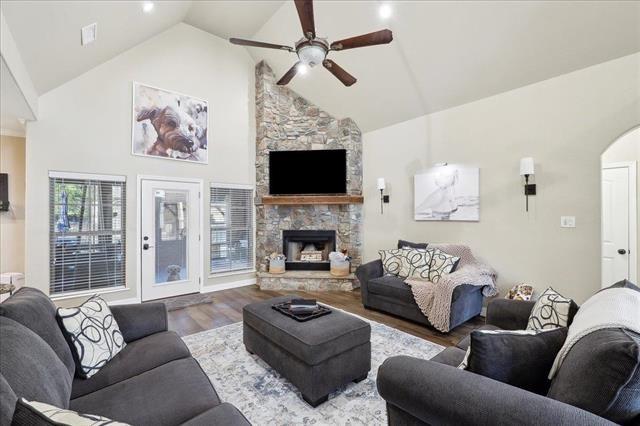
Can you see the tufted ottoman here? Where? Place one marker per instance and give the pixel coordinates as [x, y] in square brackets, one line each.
[317, 356]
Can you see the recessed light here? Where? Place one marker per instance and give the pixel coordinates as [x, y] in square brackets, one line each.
[302, 69]
[147, 6]
[385, 11]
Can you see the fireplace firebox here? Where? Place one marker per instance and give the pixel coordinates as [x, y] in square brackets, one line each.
[308, 250]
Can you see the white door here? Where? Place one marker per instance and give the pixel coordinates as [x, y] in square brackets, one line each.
[616, 224]
[170, 233]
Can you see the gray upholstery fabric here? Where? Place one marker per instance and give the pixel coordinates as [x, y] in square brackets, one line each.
[313, 381]
[224, 414]
[393, 287]
[623, 284]
[405, 243]
[167, 395]
[601, 374]
[138, 321]
[509, 314]
[464, 343]
[521, 360]
[137, 357]
[399, 417]
[365, 273]
[397, 307]
[440, 394]
[312, 342]
[31, 367]
[450, 356]
[33, 309]
[8, 400]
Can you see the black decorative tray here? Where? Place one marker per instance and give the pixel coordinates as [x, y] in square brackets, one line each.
[283, 308]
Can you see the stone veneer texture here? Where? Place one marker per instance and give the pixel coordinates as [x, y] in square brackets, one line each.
[286, 121]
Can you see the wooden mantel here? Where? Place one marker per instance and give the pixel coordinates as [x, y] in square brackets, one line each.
[312, 199]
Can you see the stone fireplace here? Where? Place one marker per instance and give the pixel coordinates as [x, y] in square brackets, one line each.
[308, 250]
[286, 121]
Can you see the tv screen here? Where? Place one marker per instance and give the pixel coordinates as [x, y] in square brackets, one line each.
[308, 172]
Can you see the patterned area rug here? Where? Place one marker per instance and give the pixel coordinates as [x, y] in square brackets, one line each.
[266, 398]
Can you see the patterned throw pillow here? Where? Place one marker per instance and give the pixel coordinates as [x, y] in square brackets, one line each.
[550, 311]
[394, 263]
[407, 262]
[94, 333]
[441, 264]
[419, 263]
[38, 413]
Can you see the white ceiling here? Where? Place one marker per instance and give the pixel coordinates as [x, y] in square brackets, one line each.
[443, 54]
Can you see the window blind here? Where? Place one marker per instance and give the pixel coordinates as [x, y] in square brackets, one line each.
[87, 239]
[231, 222]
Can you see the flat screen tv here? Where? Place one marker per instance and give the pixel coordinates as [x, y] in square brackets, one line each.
[308, 172]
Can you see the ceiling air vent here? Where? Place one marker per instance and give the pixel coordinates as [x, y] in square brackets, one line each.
[89, 34]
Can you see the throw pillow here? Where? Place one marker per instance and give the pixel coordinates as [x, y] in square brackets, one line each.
[38, 413]
[551, 310]
[441, 264]
[520, 358]
[419, 263]
[409, 244]
[93, 334]
[395, 262]
[601, 374]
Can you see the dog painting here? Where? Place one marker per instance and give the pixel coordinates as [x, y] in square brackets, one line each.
[169, 125]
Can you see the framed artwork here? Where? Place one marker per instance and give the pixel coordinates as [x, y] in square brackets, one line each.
[449, 192]
[169, 125]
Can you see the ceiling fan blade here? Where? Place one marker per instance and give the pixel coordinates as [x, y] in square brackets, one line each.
[305, 13]
[243, 42]
[286, 78]
[371, 39]
[335, 69]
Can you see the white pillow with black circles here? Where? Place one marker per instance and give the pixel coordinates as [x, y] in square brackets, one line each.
[394, 262]
[551, 310]
[94, 334]
[441, 264]
[41, 413]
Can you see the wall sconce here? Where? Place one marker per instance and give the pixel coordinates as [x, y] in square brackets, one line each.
[383, 198]
[527, 168]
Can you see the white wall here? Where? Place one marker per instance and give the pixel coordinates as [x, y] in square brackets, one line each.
[85, 126]
[12, 222]
[564, 123]
[627, 148]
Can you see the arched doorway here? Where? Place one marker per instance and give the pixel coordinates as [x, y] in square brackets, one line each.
[620, 220]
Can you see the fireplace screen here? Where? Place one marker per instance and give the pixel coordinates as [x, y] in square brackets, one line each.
[308, 250]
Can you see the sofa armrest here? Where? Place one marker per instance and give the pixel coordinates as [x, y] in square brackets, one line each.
[366, 272]
[444, 395]
[509, 314]
[223, 414]
[140, 320]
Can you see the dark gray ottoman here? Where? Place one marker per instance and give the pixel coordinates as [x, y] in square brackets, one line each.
[317, 356]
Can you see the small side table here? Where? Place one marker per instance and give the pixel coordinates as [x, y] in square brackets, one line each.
[7, 288]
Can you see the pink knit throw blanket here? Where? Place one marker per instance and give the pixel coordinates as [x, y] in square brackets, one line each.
[434, 300]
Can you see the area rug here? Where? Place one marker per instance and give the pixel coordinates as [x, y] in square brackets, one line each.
[266, 398]
[179, 302]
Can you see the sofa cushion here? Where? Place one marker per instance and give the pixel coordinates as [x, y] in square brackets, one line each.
[223, 414]
[137, 357]
[464, 343]
[622, 284]
[33, 309]
[31, 367]
[601, 374]
[551, 310]
[394, 262]
[312, 342]
[167, 395]
[393, 287]
[35, 413]
[450, 356]
[409, 244]
[520, 358]
[8, 400]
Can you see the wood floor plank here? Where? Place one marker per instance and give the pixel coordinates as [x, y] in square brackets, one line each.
[226, 308]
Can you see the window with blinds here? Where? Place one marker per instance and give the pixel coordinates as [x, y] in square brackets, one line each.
[231, 222]
[87, 238]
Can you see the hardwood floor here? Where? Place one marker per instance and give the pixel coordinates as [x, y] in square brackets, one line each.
[227, 309]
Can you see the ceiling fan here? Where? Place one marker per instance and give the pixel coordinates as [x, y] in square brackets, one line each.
[313, 50]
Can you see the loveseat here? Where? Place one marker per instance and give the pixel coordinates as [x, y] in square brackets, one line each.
[436, 391]
[390, 294]
[154, 380]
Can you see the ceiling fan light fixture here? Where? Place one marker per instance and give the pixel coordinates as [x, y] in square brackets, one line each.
[312, 55]
[302, 69]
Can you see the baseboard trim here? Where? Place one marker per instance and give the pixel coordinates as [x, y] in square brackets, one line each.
[483, 312]
[229, 285]
[130, 301]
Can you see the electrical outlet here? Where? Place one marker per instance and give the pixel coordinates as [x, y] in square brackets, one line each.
[567, 221]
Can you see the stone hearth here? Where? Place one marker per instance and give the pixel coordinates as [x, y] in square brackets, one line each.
[286, 121]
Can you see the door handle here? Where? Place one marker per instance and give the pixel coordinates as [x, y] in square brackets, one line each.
[622, 251]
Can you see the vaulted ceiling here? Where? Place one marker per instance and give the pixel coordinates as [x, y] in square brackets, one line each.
[443, 54]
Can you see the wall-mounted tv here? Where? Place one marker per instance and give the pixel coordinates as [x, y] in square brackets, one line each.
[308, 172]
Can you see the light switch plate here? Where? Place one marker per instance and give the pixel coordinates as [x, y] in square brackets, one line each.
[567, 221]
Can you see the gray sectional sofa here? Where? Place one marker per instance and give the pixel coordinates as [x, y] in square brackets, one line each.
[154, 380]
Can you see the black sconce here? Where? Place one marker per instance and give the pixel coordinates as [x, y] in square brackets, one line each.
[527, 169]
[383, 198]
